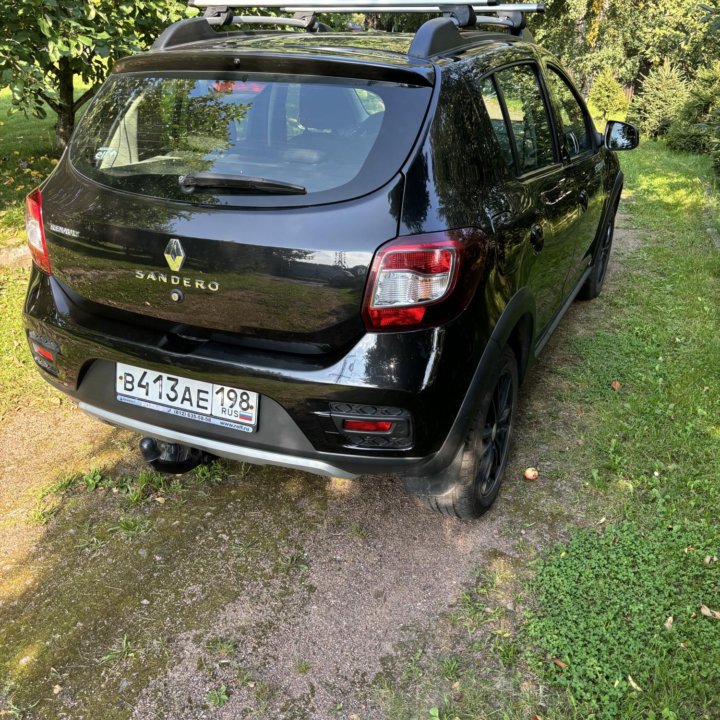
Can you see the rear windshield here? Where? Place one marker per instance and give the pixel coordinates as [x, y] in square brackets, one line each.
[210, 140]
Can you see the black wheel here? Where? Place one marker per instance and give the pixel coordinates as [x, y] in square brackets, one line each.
[594, 284]
[474, 477]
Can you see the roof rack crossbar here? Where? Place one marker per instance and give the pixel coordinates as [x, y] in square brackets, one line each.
[411, 6]
[305, 20]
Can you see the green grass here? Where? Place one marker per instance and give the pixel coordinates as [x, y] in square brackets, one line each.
[603, 599]
[28, 153]
[123, 650]
[20, 381]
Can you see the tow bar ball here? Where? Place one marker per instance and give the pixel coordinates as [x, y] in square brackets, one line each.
[171, 457]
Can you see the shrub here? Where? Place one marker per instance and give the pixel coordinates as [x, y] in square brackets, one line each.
[607, 95]
[663, 96]
[697, 125]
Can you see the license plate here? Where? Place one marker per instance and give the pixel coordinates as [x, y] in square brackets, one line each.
[194, 399]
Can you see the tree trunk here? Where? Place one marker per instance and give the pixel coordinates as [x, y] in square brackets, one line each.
[66, 112]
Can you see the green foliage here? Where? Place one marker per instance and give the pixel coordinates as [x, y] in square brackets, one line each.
[607, 95]
[693, 131]
[664, 92]
[46, 45]
[218, 696]
[712, 16]
[628, 37]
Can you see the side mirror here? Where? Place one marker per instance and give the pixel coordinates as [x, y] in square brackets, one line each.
[621, 136]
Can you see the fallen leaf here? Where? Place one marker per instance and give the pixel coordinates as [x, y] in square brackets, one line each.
[57, 689]
[707, 612]
[537, 717]
[559, 663]
[531, 474]
[615, 385]
[160, 499]
[633, 684]
[601, 520]
[669, 623]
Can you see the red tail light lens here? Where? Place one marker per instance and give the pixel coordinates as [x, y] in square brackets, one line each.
[424, 280]
[367, 425]
[36, 231]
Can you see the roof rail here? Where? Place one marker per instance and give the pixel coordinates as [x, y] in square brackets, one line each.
[436, 36]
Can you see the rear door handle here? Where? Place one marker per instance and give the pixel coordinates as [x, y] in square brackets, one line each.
[537, 238]
[583, 200]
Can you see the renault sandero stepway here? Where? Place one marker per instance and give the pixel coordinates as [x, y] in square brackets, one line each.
[332, 251]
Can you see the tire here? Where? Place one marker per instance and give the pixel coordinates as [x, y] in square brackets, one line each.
[594, 284]
[474, 476]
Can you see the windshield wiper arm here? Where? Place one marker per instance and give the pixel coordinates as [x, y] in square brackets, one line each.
[189, 182]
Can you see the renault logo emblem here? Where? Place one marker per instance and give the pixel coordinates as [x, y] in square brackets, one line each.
[175, 255]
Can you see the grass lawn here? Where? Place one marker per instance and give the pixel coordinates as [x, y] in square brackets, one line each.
[622, 621]
[622, 607]
[27, 155]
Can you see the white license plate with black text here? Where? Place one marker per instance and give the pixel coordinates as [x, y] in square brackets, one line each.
[193, 399]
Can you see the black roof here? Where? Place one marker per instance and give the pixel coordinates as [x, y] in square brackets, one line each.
[399, 57]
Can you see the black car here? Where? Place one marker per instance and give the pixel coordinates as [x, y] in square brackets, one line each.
[336, 252]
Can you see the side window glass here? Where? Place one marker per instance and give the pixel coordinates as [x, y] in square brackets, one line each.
[528, 115]
[574, 123]
[495, 113]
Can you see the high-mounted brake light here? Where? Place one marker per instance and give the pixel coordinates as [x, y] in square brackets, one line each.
[423, 280]
[36, 231]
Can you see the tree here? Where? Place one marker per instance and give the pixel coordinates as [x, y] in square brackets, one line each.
[607, 95]
[47, 45]
[629, 37]
[664, 93]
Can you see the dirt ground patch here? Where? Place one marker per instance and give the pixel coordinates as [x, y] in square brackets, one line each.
[273, 594]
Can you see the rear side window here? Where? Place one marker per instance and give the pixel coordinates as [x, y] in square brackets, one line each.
[575, 124]
[497, 120]
[529, 121]
[334, 139]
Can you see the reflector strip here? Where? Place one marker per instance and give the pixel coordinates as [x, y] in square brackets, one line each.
[367, 425]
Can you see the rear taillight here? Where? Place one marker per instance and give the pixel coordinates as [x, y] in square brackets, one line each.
[424, 280]
[36, 231]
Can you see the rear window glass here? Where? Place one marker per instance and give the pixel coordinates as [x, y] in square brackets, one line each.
[203, 139]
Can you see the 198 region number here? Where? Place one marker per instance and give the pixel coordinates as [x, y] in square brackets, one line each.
[194, 399]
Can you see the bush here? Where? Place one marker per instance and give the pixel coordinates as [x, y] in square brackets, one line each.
[607, 95]
[697, 125]
[687, 136]
[661, 102]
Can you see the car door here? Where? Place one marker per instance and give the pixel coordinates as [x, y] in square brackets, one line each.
[534, 211]
[581, 154]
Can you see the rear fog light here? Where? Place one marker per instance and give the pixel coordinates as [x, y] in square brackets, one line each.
[367, 425]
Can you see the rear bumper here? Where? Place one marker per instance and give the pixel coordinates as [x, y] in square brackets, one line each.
[425, 373]
[217, 447]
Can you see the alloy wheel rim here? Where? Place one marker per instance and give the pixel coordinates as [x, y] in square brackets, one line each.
[495, 437]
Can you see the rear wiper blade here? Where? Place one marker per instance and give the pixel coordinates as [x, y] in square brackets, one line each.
[189, 182]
